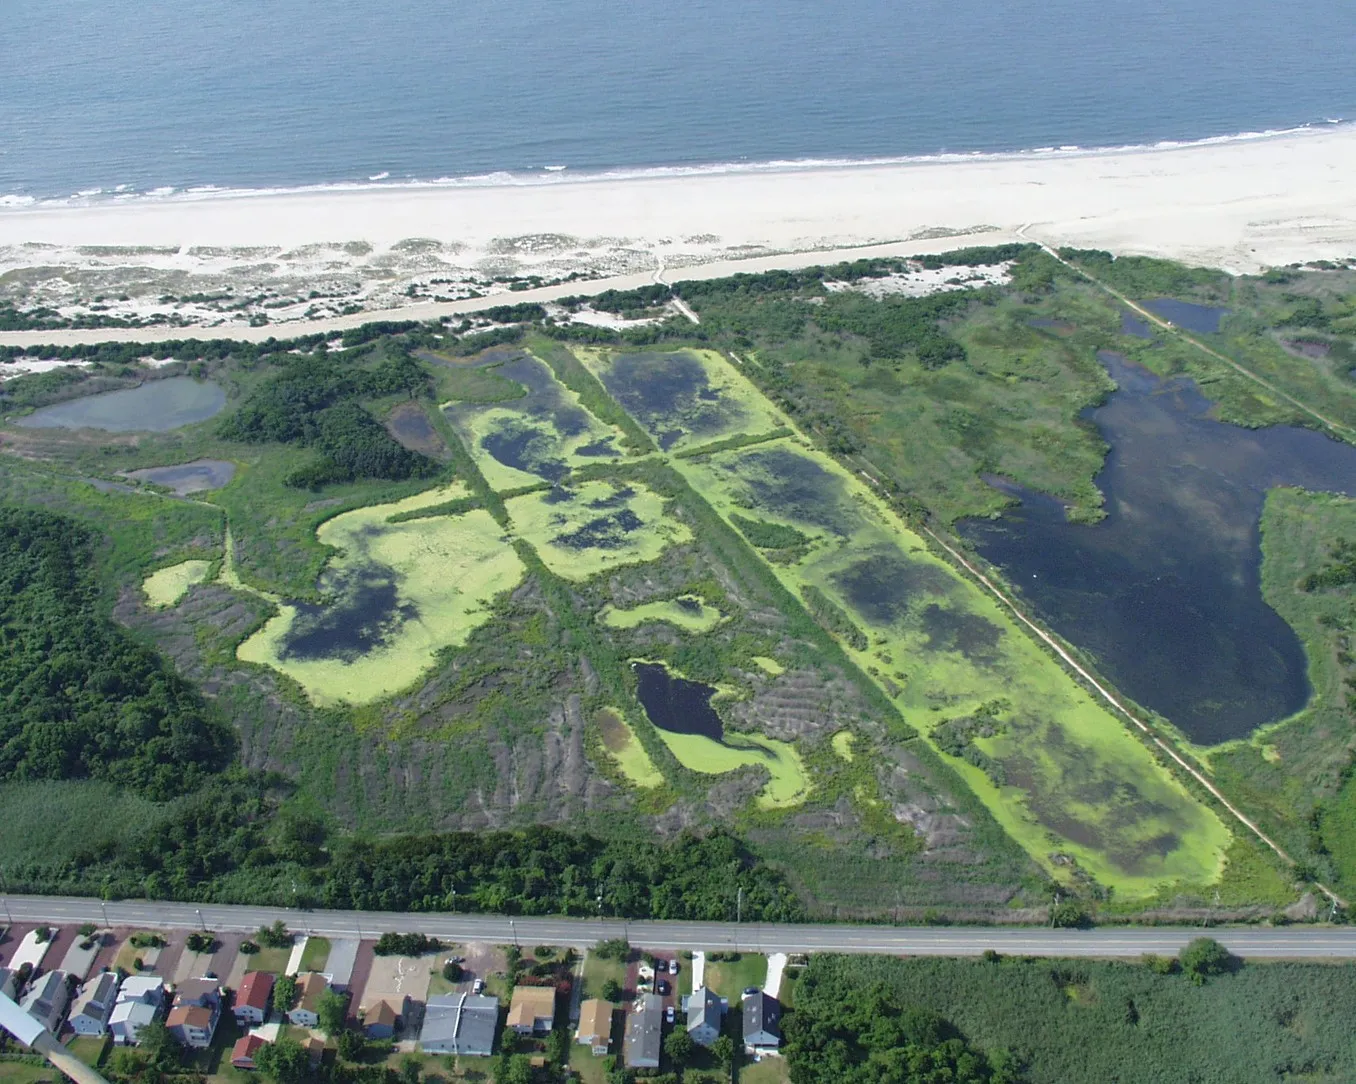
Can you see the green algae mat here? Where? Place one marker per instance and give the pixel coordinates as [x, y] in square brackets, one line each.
[1061, 774]
[397, 594]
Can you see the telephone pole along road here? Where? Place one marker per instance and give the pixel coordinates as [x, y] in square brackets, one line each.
[1287, 942]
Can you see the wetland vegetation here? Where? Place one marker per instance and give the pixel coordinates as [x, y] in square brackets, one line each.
[405, 581]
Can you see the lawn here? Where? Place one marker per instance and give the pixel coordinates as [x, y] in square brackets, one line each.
[17, 1072]
[314, 955]
[88, 1048]
[730, 978]
[768, 1071]
[597, 971]
[589, 1068]
[268, 959]
[128, 953]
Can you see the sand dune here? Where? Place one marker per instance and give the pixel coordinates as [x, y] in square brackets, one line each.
[1239, 205]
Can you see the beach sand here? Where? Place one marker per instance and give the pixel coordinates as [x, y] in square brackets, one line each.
[1240, 205]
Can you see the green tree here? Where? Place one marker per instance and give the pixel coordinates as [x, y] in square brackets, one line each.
[284, 993]
[332, 1010]
[284, 1061]
[350, 1045]
[616, 948]
[411, 1070]
[612, 990]
[1069, 915]
[1205, 957]
[513, 1069]
[275, 936]
[723, 1050]
[679, 1046]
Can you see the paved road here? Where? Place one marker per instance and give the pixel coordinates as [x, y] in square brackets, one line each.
[1316, 942]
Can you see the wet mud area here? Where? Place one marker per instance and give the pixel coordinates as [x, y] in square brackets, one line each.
[411, 427]
[184, 478]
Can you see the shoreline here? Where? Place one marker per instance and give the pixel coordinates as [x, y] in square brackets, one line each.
[562, 175]
[1236, 204]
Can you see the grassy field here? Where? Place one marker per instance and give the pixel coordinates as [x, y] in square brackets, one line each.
[598, 970]
[314, 955]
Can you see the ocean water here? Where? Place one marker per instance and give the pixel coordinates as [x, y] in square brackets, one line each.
[107, 98]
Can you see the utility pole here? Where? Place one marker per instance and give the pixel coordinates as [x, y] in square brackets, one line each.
[514, 930]
[739, 914]
[8, 917]
[201, 922]
[104, 908]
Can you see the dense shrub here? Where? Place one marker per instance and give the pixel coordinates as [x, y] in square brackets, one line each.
[79, 697]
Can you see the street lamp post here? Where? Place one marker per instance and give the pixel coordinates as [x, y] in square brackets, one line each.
[513, 930]
[198, 911]
[104, 908]
[739, 914]
[8, 917]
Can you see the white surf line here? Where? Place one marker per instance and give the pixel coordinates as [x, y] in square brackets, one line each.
[1169, 326]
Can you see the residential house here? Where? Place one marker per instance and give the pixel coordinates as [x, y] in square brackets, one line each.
[94, 1005]
[193, 1025]
[339, 964]
[644, 1032]
[705, 1010]
[595, 1026]
[381, 1020]
[242, 1054]
[197, 1009]
[205, 993]
[252, 999]
[140, 999]
[311, 986]
[532, 1010]
[762, 1022]
[46, 999]
[460, 1024]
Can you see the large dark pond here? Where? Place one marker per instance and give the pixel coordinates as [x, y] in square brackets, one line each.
[1166, 590]
[676, 704]
[1202, 319]
[156, 406]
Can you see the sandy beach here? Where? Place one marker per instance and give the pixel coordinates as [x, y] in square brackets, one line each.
[318, 257]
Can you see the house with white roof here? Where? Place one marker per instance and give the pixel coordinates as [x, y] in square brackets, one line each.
[139, 1002]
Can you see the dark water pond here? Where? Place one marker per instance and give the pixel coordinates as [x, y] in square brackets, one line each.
[676, 704]
[671, 396]
[156, 406]
[1135, 326]
[1166, 590]
[365, 612]
[185, 478]
[1202, 319]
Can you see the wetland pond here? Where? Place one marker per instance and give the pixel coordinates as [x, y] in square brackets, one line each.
[155, 406]
[676, 704]
[1166, 590]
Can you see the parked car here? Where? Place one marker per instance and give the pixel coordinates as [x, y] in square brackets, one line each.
[662, 988]
[750, 990]
[478, 986]
[669, 1014]
[673, 966]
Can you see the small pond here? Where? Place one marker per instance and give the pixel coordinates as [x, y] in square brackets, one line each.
[185, 478]
[676, 704]
[1166, 590]
[155, 406]
[1135, 326]
[1202, 319]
